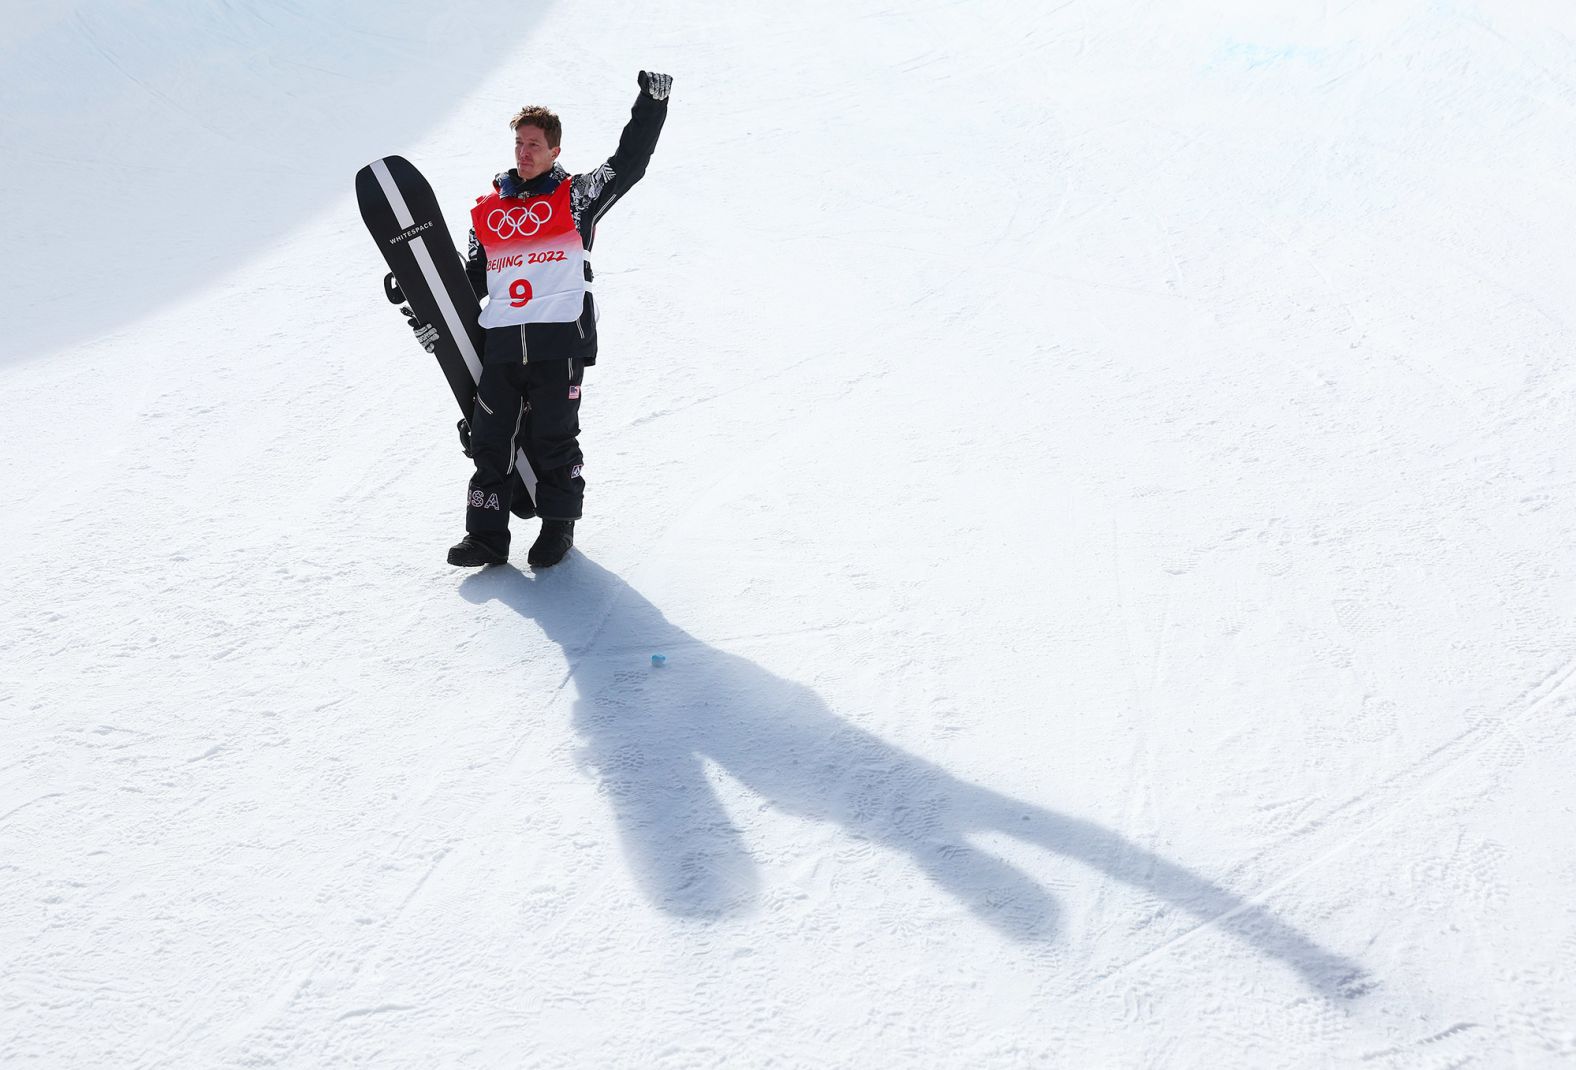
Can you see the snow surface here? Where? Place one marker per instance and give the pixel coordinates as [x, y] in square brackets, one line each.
[1099, 473]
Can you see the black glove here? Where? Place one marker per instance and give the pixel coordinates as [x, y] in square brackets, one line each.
[392, 291]
[426, 333]
[465, 435]
[655, 86]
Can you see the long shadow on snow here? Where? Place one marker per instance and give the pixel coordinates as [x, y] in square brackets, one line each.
[648, 732]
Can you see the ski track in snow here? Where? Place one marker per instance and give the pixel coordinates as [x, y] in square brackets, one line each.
[1429, 774]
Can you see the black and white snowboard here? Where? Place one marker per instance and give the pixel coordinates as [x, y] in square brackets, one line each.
[402, 215]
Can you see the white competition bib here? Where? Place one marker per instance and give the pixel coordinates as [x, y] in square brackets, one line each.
[535, 258]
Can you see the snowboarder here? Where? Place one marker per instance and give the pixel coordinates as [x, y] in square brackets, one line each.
[527, 256]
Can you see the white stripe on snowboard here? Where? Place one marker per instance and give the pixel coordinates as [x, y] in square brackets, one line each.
[429, 271]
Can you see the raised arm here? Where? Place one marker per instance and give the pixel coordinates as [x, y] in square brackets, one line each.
[595, 191]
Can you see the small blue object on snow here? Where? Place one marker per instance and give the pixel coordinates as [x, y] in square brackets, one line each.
[659, 659]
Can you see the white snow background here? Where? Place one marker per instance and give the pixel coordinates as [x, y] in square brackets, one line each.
[1099, 473]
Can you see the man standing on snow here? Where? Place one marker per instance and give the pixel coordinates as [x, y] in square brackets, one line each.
[528, 246]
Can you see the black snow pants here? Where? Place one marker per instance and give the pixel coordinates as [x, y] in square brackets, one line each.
[537, 406]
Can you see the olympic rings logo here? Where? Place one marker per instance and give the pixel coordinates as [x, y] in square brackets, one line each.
[521, 222]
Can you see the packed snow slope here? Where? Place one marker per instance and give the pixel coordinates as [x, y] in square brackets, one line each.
[150, 147]
[1099, 473]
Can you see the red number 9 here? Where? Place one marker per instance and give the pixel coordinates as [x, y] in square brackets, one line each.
[520, 291]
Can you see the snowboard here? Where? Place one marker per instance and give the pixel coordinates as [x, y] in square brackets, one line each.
[402, 215]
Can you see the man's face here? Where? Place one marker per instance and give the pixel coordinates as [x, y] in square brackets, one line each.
[532, 156]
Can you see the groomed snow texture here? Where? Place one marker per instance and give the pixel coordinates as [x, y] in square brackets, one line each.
[1100, 474]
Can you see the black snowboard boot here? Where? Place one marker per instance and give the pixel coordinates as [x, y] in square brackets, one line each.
[552, 544]
[480, 548]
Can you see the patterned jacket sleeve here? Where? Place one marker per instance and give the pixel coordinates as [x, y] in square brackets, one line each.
[476, 267]
[594, 192]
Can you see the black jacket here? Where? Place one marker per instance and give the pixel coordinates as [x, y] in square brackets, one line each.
[592, 194]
